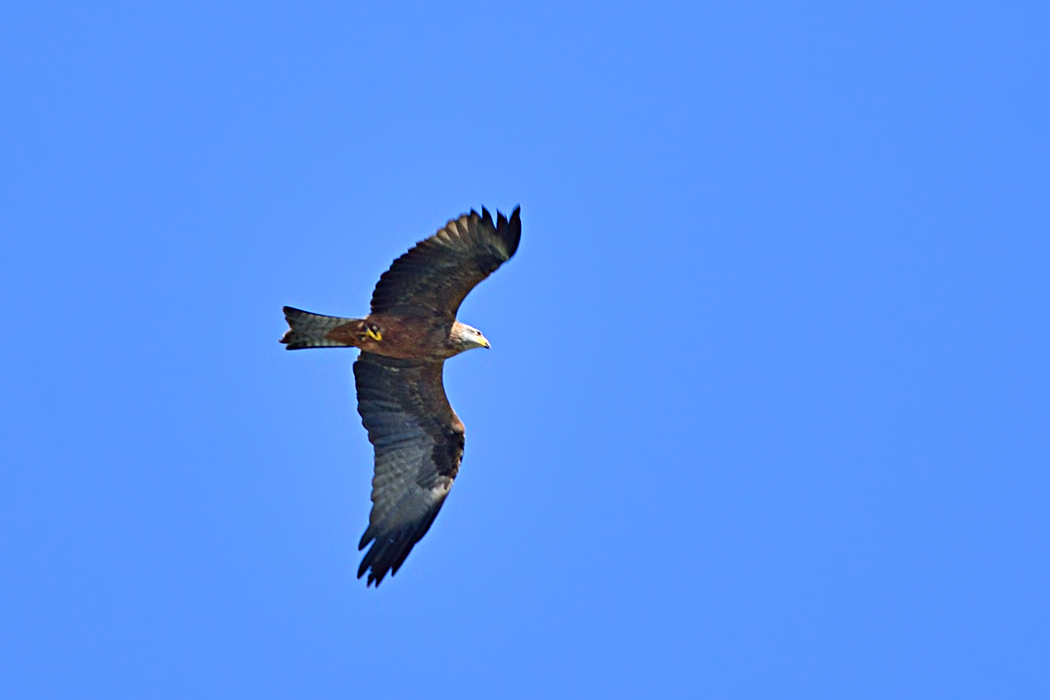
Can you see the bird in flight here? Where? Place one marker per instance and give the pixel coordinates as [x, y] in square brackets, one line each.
[404, 341]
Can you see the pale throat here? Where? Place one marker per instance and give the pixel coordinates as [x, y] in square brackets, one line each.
[466, 337]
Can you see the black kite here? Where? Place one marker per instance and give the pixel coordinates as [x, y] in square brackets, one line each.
[404, 343]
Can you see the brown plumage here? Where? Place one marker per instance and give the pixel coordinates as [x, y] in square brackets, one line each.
[404, 343]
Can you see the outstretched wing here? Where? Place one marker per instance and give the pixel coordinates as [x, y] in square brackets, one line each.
[418, 441]
[436, 274]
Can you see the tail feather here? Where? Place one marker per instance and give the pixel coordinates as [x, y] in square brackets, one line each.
[307, 330]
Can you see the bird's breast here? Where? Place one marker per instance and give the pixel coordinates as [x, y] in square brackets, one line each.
[408, 337]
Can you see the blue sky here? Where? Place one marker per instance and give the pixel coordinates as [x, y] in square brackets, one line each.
[767, 410]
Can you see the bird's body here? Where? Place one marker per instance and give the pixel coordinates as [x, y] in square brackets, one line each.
[404, 341]
[406, 336]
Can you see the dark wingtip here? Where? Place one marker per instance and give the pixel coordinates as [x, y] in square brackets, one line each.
[371, 567]
[365, 539]
[373, 559]
[511, 230]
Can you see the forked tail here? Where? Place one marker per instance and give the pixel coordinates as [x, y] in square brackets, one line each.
[307, 330]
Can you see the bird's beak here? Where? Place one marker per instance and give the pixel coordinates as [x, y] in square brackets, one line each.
[485, 343]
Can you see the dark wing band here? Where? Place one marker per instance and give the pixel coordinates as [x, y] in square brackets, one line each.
[436, 274]
[418, 443]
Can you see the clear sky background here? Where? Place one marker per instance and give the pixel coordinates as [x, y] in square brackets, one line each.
[768, 409]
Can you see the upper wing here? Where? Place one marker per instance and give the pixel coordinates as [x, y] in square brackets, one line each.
[436, 274]
[418, 441]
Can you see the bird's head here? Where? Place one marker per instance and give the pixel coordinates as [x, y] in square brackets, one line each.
[467, 338]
